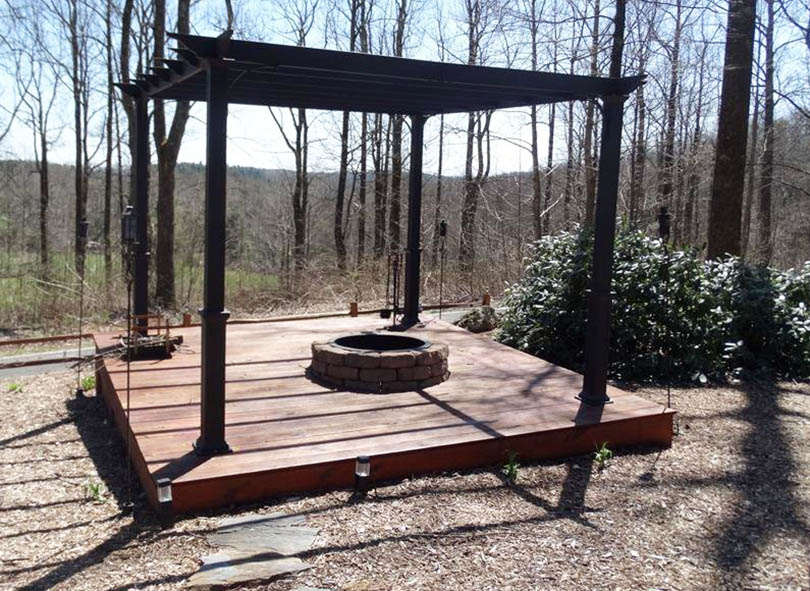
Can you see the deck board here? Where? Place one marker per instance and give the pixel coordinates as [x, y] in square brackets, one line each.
[291, 435]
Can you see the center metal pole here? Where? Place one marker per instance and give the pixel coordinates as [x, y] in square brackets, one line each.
[413, 253]
[214, 315]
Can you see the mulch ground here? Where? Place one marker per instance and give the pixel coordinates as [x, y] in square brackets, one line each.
[727, 507]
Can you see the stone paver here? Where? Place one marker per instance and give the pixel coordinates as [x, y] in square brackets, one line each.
[255, 548]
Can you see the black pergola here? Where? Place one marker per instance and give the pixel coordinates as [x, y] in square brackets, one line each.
[221, 70]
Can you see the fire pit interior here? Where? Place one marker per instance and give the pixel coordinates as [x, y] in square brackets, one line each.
[378, 362]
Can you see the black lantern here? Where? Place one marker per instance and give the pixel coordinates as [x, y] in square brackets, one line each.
[129, 223]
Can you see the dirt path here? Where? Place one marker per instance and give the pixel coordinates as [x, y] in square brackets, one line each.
[728, 507]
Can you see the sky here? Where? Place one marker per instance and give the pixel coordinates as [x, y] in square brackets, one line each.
[253, 137]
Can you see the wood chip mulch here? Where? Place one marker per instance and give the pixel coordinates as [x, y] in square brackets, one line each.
[727, 507]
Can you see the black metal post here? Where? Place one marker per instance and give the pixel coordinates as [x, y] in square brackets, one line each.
[141, 304]
[597, 337]
[214, 315]
[413, 254]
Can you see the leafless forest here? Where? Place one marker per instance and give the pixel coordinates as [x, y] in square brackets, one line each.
[317, 230]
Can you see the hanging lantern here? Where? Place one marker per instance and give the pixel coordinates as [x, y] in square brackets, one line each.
[129, 226]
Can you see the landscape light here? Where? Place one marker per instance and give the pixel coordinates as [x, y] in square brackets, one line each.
[164, 497]
[362, 471]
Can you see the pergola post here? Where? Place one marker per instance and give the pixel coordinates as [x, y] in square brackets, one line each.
[141, 171]
[597, 337]
[413, 254]
[214, 315]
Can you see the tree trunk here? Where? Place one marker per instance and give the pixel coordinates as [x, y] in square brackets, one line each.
[380, 184]
[395, 202]
[80, 242]
[168, 148]
[127, 102]
[569, 168]
[637, 182]
[361, 194]
[437, 215]
[468, 209]
[693, 183]
[301, 195]
[109, 146]
[44, 198]
[338, 231]
[549, 167]
[537, 196]
[668, 157]
[590, 124]
[751, 181]
[765, 243]
[725, 207]
[537, 190]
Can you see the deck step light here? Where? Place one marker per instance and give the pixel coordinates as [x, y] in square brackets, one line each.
[362, 471]
[164, 497]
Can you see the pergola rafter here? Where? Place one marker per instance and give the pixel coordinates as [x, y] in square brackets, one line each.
[221, 70]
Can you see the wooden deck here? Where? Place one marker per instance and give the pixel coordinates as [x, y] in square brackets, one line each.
[290, 435]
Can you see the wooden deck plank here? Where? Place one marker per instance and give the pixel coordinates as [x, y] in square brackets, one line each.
[282, 426]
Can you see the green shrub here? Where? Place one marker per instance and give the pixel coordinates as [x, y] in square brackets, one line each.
[713, 319]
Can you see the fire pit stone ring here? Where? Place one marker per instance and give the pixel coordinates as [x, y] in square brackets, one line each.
[378, 362]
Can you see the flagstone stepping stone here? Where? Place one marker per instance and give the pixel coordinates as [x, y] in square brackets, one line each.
[255, 547]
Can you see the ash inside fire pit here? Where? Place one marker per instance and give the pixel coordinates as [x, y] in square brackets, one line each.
[378, 362]
[380, 342]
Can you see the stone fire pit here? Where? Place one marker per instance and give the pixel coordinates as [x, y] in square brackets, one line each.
[378, 362]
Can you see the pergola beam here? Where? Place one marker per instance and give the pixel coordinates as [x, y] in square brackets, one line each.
[402, 69]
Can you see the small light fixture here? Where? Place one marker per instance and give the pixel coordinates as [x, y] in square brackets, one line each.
[362, 471]
[164, 498]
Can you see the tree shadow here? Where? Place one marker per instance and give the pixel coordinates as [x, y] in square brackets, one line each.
[105, 449]
[767, 483]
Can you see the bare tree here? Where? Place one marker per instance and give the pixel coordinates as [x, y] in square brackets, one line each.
[764, 242]
[725, 208]
[667, 170]
[395, 202]
[167, 147]
[589, 162]
[108, 128]
[481, 18]
[693, 181]
[300, 18]
[37, 83]
[339, 228]
[365, 17]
